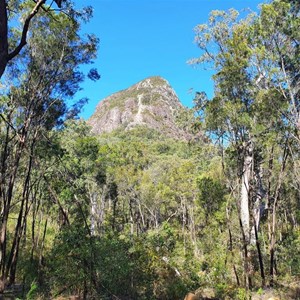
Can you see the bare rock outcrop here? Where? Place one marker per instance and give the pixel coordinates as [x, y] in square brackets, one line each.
[151, 102]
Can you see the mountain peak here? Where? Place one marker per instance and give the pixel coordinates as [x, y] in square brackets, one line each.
[151, 102]
[153, 81]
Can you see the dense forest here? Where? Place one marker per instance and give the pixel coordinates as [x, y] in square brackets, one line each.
[136, 214]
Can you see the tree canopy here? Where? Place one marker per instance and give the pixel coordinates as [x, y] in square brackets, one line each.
[135, 214]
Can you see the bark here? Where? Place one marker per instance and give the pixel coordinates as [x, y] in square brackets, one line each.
[9, 174]
[131, 217]
[274, 221]
[247, 279]
[231, 246]
[260, 258]
[3, 37]
[33, 225]
[101, 210]
[93, 200]
[113, 226]
[258, 207]
[97, 211]
[43, 243]
[143, 226]
[244, 205]
[14, 253]
[6, 210]
[192, 228]
[245, 189]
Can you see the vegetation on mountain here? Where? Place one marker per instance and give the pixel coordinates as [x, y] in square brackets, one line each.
[141, 213]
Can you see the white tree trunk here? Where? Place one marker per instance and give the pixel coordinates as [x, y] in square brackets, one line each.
[93, 200]
[245, 185]
[97, 210]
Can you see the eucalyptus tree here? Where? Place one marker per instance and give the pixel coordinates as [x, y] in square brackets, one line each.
[254, 110]
[277, 42]
[224, 42]
[45, 76]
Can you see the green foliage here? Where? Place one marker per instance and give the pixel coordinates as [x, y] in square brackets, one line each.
[287, 255]
[254, 115]
[70, 261]
[33, 107]
[242, 294]
[107, 266]
[211, 194]
[162, 240]
[32, 292]
[134, 214]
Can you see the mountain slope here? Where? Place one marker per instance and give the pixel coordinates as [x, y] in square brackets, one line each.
[151, 102]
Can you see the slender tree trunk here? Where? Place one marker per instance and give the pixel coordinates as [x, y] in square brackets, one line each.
[231, 247]
[273, 225]
[191, 220]
[260, 258]
[43, 243]
[142, 215]
[113, 225]
[13, 257]
[5, 215]
[64, 214]
[3, 37]
[35, 210]
[258, 206]
[3, 198]
[131, 217]
[247, 278]
[93, 201]
[184, 221]
[101, 210]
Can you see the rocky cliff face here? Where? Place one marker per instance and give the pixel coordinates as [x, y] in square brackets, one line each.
[151, 102]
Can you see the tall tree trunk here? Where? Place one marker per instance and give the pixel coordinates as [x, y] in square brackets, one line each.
[245, 190]
[260, 258]
[244, 205]
[93, 201]
[247, 278]
[13, 257]
[258, 206]
[6, 210]
[274, 207]
[3, 37]
[131, 212]
[257, 212]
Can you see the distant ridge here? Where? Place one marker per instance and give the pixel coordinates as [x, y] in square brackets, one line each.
[151, 102]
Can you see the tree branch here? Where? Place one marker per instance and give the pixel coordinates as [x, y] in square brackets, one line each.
[23, 41]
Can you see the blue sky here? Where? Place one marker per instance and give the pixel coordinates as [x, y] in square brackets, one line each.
[142, 38]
